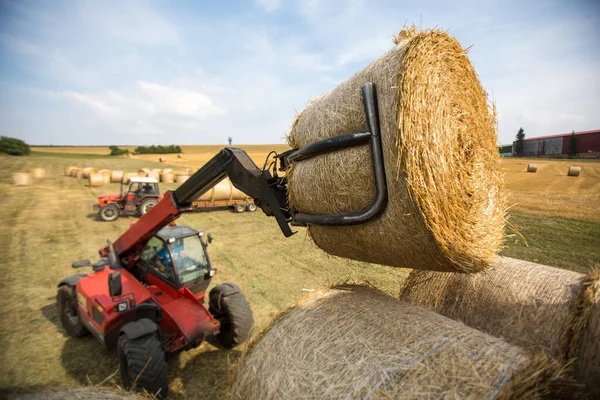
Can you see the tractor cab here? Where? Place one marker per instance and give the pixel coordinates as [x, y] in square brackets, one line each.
[134, 198]
[177, 255]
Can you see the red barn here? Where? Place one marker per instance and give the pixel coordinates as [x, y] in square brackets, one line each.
[588, 145]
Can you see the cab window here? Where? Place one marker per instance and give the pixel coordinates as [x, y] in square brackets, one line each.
[157, 256]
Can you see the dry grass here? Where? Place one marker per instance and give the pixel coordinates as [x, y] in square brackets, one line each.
[356, 342]
[445, 209]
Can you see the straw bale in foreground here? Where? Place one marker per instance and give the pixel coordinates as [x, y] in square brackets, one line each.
[445, 211]
[357, 342]
[532, 167]
[529, 305]
[574, 171]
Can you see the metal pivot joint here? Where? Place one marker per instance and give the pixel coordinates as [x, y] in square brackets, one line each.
[340, 142]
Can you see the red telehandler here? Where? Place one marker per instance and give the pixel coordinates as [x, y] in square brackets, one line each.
[145, 296]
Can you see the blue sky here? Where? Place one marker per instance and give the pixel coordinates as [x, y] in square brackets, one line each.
[196, 72]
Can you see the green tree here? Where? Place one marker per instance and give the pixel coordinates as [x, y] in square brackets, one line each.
[520, 142]
[573, 145]
[13, 146]
[115, 151]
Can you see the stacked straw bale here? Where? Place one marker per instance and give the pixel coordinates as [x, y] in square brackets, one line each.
[78, 173]
[37, 173]
[116, 176]
[532, 167]
[357, 342]
[574, 171]
[530, 305]
[21, 179]
[88, 171]
[445, 211]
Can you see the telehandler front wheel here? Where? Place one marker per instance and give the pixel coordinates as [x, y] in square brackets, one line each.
[229, 306]
[143, 365]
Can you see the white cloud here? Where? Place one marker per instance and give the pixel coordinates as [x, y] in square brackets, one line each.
[269, 5]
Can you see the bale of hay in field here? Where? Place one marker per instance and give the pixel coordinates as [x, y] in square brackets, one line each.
[38, 173]
[223, 190]
[162, 159]
[179, 155]
[574, 171]
[88, 171]
[445, 210]
[154, 173]
[87, 393]
[73, 172]
[143, 171]
[106, 174]
[126, 177]
[532, 167]
[116, 176]
[529, 305]
[167, 171]
[180, 178]
[68, 170]
[96, 180]
[166, 178]
[78, 173]
[357, 342]
[21, 178]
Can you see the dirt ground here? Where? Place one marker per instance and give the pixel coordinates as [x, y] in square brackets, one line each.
[47, 226]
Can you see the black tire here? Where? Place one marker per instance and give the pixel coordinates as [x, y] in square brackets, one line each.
[239, 208]
[146, 205]
[229, 306]
[251, 207]
[67, 310]
[143, 365]
[109, 212]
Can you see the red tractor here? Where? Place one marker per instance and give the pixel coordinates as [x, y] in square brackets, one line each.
[145, 296]
[135, 198]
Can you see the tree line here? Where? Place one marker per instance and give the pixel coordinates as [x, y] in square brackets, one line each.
[116, 151]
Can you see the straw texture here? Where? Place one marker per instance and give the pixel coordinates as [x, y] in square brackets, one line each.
[116, 176]
[88, 171]
[106, 174]
[445, 210]
[96, 180]
[357, 342]
[530, 305]
[21, 179]
[532, 167]
[574, 171]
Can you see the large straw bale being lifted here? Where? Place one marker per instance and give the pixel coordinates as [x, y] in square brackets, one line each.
[529, 305]
[445, 211]
[357, 342]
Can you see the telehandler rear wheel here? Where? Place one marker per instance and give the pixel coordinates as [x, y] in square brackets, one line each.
[67, 309]
[143, 365]
[229, 306]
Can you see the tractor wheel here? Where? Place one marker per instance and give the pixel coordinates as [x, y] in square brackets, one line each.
[239, 208]
[146, 205]
[251, 207]
[67, 310]
[109, 212]
[229, 306]
[143, 365]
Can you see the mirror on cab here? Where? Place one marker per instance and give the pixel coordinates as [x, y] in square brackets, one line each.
[115, 285]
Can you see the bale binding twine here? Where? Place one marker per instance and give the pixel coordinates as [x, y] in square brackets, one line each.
[21, 179]
[356, 342]
[530, 305]
[532, 167]
[574, 171]
[445, 211]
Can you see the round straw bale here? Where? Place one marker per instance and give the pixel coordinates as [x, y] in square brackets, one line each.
[21, 179]
[162, 159]
[126, 177]
[574, 171]
[106, 174]
[357, 342]
[143, 171]
[88, 171]
[96, 180]
[38, 173]
[529, 305]
[74, 170]
[116, 176]
[78, 173]
[167, 171]
[166, 178]
[532, 167]
[180, 178]
[154, 173]
[68, 171]
[223, 190]
[179, 155]
[445, 211]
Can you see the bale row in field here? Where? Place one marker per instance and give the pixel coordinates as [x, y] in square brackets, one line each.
[530, 305]
[357, 342]
[445, 211]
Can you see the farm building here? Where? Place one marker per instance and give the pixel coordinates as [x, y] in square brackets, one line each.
[506, 150]
[587, 145]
